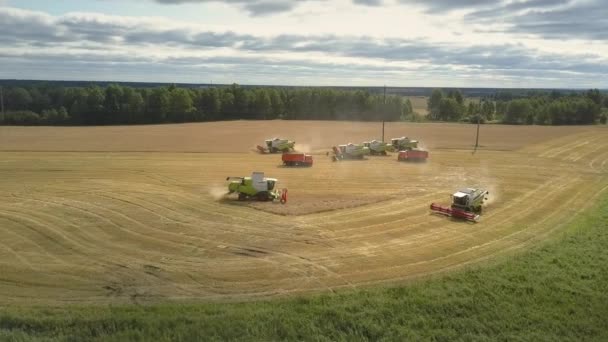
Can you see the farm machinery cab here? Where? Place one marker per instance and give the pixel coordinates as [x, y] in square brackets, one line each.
[378, 148]
[277, 145]
[350, 151]
[466, 204]
[256, 187]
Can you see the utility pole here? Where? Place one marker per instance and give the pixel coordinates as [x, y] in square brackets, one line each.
[478, 124]
[383, 112]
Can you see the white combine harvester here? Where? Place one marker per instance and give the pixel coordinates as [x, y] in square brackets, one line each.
[277, 145]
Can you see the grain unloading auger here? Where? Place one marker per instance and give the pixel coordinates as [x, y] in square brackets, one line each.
[277, 145]
[466, 204]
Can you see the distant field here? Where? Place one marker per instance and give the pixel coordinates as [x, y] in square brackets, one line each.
[419, 103]
[145, 227]
[242, 136]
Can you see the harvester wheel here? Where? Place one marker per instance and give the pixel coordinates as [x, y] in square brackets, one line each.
[242, 196]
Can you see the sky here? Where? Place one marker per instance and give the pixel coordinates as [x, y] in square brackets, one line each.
[406, 43]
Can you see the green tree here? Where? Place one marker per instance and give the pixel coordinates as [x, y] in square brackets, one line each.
[433, 104]
[488, 109]
[210, 103]
[604, 117]
[40, 100]
[517, 112]
[95, 111]
[17, 99]
[262, 104]
[276, 102]
[450, 110]
[472, 109]
[113, 104]
[456, 95]
[180, 105]
[158, 105]
[228, 108]
[132, 106]
[595, 96]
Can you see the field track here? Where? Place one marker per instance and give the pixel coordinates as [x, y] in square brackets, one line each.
[140, 221]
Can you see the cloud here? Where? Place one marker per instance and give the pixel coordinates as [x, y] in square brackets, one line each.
[253, 7]
[368, 2]
[580, 20]
[438, 6]
[88, 43]
[549, 19]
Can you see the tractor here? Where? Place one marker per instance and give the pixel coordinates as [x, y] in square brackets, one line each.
[466, 204]
[256, 187]
[404, 144]
[378, 148]
[277, 145]
[350, 151]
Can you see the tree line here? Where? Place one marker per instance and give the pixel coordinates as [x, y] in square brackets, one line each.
[116, 104]
[121, 105]
[540, 108]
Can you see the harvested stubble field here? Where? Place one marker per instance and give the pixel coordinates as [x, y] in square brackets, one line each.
[121, 214]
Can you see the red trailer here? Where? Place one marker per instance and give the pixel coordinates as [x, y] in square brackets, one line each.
[413, 155]
[297, 159]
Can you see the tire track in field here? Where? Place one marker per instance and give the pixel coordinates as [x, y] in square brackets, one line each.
[93, 244]
[301, 260]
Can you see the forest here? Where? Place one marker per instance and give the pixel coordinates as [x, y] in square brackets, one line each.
[116, 104]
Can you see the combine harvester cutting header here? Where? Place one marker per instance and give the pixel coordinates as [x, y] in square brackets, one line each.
[466, 204]
[277, 145]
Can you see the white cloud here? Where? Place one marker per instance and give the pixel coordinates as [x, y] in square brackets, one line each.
[366, 44]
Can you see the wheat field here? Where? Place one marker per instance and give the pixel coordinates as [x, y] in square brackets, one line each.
[137, 214]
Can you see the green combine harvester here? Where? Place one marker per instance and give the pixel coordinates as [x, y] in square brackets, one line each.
[277, 145]
[404, 144]
[257, 187]
[350, 151]
[378, 148]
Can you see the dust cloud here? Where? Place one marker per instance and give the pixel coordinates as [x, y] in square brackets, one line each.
[304, 148]
[217, 192]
